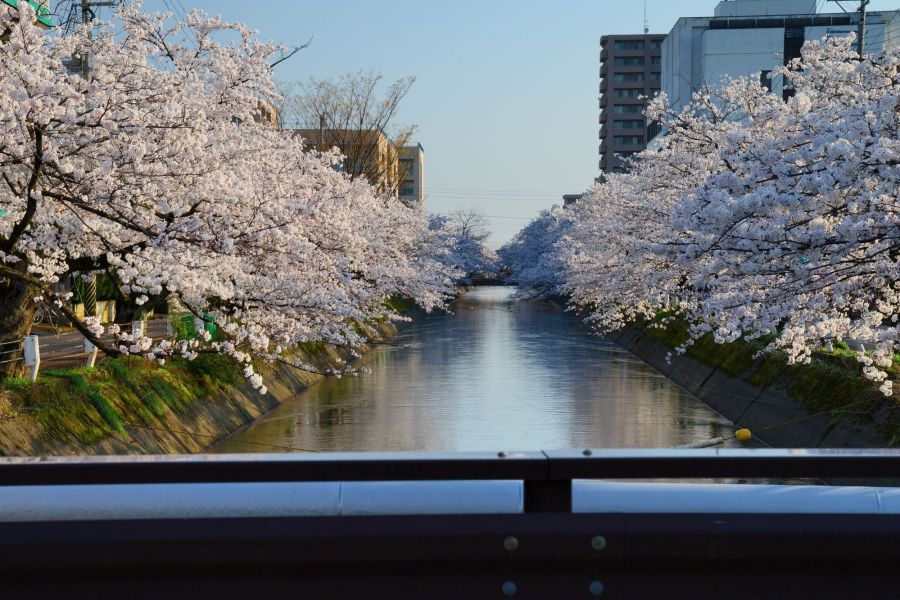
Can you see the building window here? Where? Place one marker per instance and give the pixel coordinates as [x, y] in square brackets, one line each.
[628, 140]
[629, 93]
[655, 44]
[628, 77]
[656, 61]
[765, 80]
[629, 124]
[629, 45]
[628, 61]
[655, 76]
[408, 189]
[628, 109]
[407, 168]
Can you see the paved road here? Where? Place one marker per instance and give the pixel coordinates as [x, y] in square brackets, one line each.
[63, 350]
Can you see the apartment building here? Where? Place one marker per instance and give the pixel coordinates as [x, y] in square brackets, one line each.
[367, 153]
[630, 72]
[412, 173]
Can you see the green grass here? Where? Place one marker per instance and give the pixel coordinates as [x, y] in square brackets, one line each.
[80, 386]
[64, 411]
[16, 384]
[733, 358]
[88, 405]
[823, 386]
[399, 304]
[830, 381]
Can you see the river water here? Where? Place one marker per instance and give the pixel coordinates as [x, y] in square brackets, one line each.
[493, 375]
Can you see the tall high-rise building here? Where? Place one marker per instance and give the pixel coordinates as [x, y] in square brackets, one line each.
[749, 37]
[630, 72]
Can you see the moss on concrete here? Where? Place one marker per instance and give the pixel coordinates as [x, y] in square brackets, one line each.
[832, 382]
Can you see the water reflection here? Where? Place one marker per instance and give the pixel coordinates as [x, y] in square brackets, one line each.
[493, 375]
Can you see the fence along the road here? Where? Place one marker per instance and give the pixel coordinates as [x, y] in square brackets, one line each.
[76, 350]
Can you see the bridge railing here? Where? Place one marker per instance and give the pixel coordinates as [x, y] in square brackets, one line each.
[441, 525]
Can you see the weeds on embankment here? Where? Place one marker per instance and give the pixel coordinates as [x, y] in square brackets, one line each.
[88, 405]
[832, 380]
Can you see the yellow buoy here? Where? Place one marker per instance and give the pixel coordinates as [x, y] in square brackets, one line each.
[743, 435]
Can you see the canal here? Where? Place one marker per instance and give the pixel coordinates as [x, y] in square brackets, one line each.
[493, 375]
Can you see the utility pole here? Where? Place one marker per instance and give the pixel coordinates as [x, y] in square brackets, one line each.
[861, 25]
[89, 287]
[87, 15]
[861, 36]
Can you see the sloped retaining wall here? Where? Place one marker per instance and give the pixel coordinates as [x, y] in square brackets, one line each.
[769, 411]
[197, 426]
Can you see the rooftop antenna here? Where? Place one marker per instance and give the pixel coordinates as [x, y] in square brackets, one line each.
[646, 23]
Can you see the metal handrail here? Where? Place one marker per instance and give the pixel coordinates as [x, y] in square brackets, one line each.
[539, 466]
[281, 540]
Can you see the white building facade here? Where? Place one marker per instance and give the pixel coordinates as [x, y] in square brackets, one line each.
[750, 37]
[412, 171]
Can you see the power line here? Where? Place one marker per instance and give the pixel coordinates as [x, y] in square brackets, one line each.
[181, 6]
[452, 189]
[492, 217]
[497, 197]
[491, 198]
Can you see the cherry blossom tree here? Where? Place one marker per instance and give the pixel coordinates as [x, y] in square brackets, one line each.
[532, 256]
[762, 217]
[462, 251]
[158, 172]
[799, 234]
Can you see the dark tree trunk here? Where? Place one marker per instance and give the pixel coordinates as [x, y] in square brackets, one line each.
[17, 310]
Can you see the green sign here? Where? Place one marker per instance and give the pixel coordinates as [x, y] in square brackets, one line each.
[41, 9]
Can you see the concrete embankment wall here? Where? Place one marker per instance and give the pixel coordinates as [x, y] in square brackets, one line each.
[770, 411]
[191, 428]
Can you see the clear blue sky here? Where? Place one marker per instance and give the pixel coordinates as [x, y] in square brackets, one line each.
[506, 99]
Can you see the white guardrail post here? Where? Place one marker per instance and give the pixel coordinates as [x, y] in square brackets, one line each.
[32, 352]
[91, 351]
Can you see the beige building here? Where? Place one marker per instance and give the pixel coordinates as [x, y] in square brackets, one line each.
[368, 154]
[412, 171]
[393, 170]
[266, 114]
